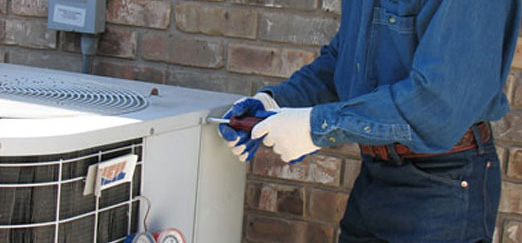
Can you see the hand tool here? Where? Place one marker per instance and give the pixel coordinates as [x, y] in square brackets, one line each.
[242, 123]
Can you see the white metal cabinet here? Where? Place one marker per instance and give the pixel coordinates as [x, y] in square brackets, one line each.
[192, 179]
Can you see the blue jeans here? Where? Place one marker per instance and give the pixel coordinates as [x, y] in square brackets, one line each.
[444, 199]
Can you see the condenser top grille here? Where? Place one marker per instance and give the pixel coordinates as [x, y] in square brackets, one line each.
[65, 93]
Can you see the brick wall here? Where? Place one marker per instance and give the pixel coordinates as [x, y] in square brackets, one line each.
[238, 46]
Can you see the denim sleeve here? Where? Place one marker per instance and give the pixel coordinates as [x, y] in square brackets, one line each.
[457, 75]
[312, 84]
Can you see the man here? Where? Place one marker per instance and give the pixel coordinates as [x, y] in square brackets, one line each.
[415, 83]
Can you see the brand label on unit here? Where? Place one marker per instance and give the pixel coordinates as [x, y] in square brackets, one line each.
[69, 15]
[109, 173]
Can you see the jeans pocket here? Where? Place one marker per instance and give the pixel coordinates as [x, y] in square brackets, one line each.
[447, 171]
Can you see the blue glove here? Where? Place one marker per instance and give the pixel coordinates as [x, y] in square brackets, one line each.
[240, 141]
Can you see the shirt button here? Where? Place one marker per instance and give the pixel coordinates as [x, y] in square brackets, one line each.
[464, 184]
[324, 125]
[367, 129]
[392, 20]
[488, 164]
[358, 67]
[331, 139]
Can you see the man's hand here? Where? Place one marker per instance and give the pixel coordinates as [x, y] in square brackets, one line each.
[288, 131]
[240, 141]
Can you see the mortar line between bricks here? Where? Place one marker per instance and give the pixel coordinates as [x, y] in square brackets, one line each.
[255, 42]
[273, 44]
[512, 181]
[277, 215]
[509, 217]
[209, 71]
[13, 16]
[118, 60]
[513, 143]
[343, 173]
[306, 203]
[20, 49]
[340, 155]
[278, 181]
[317, 12]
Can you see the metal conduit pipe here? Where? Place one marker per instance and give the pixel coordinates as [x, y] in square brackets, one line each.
[89, 45]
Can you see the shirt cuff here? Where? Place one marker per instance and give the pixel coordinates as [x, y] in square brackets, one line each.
[331, 125]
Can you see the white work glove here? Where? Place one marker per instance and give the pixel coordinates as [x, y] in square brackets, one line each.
[240, 141]
[289, 132]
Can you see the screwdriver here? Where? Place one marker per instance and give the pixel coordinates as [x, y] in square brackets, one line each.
[241, 123]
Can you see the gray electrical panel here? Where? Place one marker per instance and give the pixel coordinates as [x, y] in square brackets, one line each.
[82, 16]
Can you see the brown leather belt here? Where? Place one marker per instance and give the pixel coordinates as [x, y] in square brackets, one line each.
[467, 142]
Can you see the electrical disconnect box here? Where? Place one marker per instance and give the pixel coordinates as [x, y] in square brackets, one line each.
[82, 16]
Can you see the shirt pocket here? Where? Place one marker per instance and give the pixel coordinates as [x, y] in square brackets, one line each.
[392, 43]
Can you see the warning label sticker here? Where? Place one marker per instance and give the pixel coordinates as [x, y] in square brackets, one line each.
[69, 15]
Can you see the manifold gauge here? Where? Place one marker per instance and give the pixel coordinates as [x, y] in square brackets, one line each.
[170, 235]
[143, 237]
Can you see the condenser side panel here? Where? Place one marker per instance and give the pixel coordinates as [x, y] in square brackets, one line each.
[170, 177]
[221, 190]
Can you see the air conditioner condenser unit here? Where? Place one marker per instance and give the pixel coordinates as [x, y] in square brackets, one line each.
[55, 125]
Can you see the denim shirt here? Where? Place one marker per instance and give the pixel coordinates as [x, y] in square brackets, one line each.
[415, 72]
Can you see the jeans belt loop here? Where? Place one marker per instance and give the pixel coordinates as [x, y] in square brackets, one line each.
[478, 139]
[394, 155]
